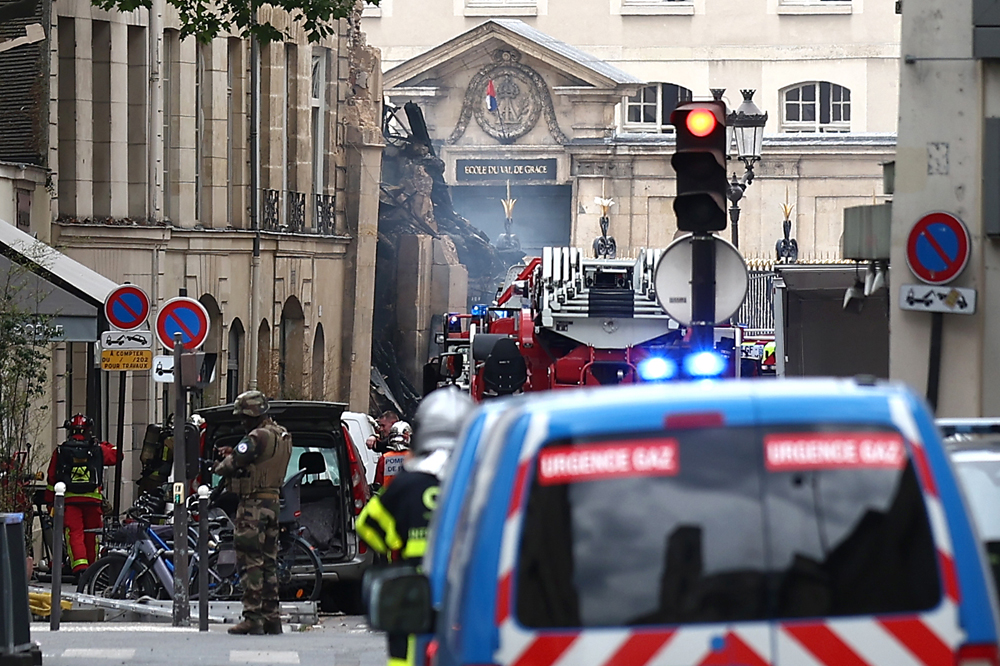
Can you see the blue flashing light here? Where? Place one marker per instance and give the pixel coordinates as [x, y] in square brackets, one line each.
[656, 368]
[704, 364]
[478, 310]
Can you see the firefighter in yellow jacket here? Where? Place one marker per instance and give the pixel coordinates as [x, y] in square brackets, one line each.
[394, 522]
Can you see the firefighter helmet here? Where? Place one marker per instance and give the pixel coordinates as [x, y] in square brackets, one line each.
[250, 403]
[440, 418]
[399, 436]
[80, 426]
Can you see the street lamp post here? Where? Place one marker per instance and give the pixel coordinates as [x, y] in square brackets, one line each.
[747, 126]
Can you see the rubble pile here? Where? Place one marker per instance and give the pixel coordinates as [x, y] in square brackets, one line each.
[415, 199]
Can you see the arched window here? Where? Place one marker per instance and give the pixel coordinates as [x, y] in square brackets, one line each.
[292, 346]
[319, 365]
[649, 109]
[234, 385]
[818, 106]
[264, 372]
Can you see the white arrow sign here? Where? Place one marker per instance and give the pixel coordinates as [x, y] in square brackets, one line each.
[126, 339]
[163, 369]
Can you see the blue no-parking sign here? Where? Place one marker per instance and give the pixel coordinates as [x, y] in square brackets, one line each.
[127, 307]
[938, 247]
[185, 316]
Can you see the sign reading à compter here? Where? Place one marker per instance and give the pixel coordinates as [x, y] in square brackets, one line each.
[502, 170]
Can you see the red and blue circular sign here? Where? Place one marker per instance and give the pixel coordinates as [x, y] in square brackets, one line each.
[938, 248]
[127, 307]
[185, 316]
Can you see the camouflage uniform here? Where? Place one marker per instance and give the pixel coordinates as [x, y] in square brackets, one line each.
[256, 470]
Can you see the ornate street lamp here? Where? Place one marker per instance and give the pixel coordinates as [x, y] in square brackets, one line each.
[747, 126]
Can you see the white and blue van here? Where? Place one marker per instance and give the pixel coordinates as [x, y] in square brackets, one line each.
[740, 523]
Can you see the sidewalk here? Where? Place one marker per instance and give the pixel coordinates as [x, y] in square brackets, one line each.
[337, 641]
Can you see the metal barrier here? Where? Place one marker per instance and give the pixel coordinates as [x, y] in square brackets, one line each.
[756, 314]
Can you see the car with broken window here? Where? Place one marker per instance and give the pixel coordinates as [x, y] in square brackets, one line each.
[726, 522]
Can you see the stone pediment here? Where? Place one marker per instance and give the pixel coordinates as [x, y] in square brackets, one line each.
[523, 68]
[577, 67]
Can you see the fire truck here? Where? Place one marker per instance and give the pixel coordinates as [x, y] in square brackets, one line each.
[564, 320]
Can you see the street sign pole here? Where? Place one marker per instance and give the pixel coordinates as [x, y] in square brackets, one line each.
[934, 365]
[182, 603]
[703, 291]
[121, 443]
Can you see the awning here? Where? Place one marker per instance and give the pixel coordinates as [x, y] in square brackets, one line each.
[65, 295]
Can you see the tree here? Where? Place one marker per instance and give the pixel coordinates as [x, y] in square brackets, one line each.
[25, 340]
[205, 19]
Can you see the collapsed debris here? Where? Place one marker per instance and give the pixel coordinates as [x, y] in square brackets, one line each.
[415, 199]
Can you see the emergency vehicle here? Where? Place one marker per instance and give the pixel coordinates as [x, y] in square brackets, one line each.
[564, 320]
[792, 523]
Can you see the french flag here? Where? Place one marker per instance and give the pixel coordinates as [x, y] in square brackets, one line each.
[491, 97]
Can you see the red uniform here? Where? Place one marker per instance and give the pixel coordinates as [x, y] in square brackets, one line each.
[83, 512]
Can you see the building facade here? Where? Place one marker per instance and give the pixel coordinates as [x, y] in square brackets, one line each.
[947, 161]
[587, 88]
[140, 169]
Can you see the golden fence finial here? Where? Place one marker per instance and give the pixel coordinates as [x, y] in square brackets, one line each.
[508, 203]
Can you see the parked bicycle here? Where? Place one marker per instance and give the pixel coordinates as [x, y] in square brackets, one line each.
[139, 559]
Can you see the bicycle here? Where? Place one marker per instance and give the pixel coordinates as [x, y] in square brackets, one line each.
[138, 560]
[300, 571]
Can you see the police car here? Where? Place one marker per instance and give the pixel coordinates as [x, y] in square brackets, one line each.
[796, 522]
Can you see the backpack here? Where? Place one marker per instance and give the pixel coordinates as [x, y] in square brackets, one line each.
[80, 465]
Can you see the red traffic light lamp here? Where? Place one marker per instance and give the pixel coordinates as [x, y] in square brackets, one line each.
[700, 122]
[699, 162]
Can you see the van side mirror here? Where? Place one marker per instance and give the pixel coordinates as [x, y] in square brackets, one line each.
[452, 365]
[400, 602]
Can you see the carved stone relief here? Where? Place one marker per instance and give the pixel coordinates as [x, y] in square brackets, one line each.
[522, 98]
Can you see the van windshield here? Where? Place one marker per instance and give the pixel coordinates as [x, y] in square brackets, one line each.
[724, 524]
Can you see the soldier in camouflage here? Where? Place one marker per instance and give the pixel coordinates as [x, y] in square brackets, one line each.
[255, 469]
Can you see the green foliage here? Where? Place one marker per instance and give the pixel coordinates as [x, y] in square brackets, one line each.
[205, 19]
[24, 357]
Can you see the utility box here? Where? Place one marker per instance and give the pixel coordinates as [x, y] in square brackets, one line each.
[867, 232]
[15, 617]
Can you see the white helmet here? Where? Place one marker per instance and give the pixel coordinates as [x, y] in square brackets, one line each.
[439, 418]
[399, 436]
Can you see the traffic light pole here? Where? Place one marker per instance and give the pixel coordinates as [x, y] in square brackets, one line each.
[703, 291]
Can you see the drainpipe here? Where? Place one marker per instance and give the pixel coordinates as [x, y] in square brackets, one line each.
[155, 145]
[254, 202]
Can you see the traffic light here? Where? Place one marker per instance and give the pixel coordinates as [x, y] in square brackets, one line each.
[198, 369]
[699, 161]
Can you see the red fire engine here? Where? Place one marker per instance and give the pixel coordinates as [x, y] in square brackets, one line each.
[564, 320]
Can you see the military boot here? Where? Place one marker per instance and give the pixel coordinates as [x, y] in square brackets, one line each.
[248, 626]
[272, 625]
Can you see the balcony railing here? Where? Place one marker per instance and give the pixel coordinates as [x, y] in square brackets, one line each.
[325, 215]
[294, 218]
[270, 218]
[296, 212]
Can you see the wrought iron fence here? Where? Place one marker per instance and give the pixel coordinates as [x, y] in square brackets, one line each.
[757, 312]
[325, 220]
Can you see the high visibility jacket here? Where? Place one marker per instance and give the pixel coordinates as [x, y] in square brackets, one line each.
[395, 521]
[110, 454]
[389, 466]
